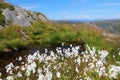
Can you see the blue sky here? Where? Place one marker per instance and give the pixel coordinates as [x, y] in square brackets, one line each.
[72, 9]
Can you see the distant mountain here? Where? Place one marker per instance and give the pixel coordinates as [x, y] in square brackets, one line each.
[10, 14]
[74, 21]
[112, 26]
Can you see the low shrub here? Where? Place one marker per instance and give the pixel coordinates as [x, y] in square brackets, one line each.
[2, 19]
[6, 5]
[16, 43]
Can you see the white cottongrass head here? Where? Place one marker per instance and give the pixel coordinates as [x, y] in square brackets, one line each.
[48, 66]
[9, 78]
[114, 71]
[19, 74]
[20, 58]
[0, 74]
[76, 69]
[58, 74]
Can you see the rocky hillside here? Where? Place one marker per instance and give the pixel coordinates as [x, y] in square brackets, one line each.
[15, 15]
[112, 26]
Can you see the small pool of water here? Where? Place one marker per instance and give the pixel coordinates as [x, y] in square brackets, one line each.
[11, 57]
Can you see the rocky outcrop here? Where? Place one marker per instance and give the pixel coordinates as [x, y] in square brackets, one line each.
[15, 17]
[21, 17]
[43, 18]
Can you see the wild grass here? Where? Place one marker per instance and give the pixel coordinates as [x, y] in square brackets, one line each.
[53, 34]
[11, 37]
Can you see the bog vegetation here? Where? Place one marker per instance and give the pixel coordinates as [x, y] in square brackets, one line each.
[65, 64]
[52, 34]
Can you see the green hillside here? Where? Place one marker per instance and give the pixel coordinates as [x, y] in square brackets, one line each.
[43, 34]
[112, 26]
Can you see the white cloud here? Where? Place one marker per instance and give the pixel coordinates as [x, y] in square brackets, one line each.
[65, 12]
[93, 17]
[77, 17]
[29, 7]
[75, 4]
[80, 0]
[11, 0]
[116, 16]
[110, 4]
[83, 16]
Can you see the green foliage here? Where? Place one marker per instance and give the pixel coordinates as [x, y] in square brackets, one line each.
[16, 43]
[2, 46]
[38, 24]
[53, 34]
[0, 11]
[60, 37]
[6, 5]
[113, 56]
[11, 37]
[2, 19]
[10, 32]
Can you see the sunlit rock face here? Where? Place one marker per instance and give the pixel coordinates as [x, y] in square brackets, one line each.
[15, 18]
[21, 17]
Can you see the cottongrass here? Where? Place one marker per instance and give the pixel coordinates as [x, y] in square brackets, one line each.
[58, 75]
[64, 64]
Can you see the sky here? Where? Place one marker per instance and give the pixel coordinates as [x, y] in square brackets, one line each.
[72, 9]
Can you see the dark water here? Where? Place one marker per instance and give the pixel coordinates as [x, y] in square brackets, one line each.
[10, 57]
[7, 58]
